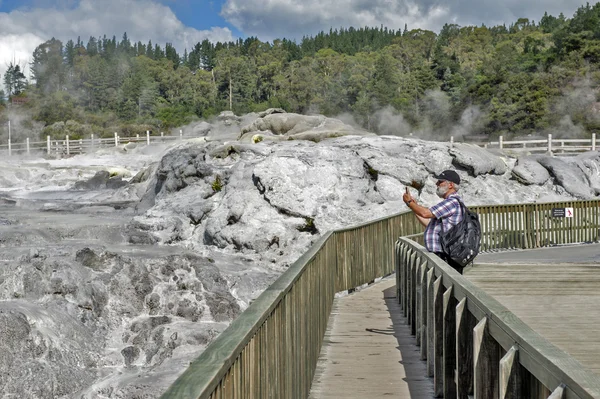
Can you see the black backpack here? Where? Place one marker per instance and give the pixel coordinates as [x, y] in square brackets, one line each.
[461, 242]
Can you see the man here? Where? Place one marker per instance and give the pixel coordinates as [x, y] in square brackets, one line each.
[448, 212]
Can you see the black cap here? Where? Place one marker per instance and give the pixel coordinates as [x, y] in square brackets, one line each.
[449, 175]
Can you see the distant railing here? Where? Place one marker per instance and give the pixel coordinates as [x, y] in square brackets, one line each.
[549, 145]
[69, 146]
[271, 349]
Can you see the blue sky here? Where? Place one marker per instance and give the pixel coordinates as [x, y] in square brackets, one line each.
[24, 24]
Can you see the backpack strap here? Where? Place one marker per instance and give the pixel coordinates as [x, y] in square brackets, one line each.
[463, 209]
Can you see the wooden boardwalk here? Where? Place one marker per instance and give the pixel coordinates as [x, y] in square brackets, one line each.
[368, 351]
[553, 292]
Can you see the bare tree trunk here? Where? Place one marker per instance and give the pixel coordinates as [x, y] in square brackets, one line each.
[230, 94]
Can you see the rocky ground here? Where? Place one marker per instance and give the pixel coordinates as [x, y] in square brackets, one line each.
[118, 268]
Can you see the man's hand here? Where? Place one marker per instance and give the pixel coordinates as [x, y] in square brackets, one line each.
[407, 197]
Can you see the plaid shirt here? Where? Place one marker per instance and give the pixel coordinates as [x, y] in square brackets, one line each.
[449, 212]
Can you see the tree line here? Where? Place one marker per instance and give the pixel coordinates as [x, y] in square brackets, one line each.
[526, 78]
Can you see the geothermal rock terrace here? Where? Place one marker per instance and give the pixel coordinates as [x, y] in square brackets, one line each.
[117, 268]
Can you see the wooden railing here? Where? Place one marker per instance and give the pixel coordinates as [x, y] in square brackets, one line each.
[271, 349]
[473, 345]
[549, 145]
[69, 146]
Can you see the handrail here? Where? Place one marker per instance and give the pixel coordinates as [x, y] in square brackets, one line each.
[430, 292]
[271, 349]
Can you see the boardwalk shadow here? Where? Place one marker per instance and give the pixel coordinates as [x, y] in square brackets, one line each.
[420, 385]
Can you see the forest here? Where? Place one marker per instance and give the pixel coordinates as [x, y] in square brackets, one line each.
[528, 78]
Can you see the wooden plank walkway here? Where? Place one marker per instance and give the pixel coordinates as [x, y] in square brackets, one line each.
[559, 298]
[368, 351]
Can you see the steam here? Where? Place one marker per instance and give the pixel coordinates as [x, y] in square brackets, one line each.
[390, 122]
[576, 104]
[471, 121]
[567, 129]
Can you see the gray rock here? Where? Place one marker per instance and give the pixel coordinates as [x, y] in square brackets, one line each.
[477, 160]
[529, 171]
[271, 111]
[301, 127]
[589, 163]
[568, 176]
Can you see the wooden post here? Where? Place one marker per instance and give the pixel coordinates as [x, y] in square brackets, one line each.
[424, 311]
[438, 338]
[162, 135]
[80, 146]
[67, 143]
[430, 331]
[451, 141]
[116, 139]
[48, 146]
[180, 134]
[485, 362]
[413, 294]
[147, 137]
[92, 142]
[137, 137]
[449, 344]
[418, 303]
[464, 350]
[501, 142]
[559, 393]
[593, 141]
[511, 378]
[27, 141]
[550, 143]
[9, 141]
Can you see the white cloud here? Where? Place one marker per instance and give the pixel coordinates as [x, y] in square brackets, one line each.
[21, 31]
[270, 19]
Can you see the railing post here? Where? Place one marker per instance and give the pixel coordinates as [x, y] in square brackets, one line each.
[510, 375]
[464, 350]
[550, 143]
[451, 141]
[559, 393]
[413, 294]
[116, 139]
[67, 143]
[48, 146]
[430, 329]
[137, 137]
[92, 142]
[419, 303]
[162, 137]
[593, 141]
[438, 339]
[27, 141]
[180, 134]
[423, 315]
[147, 137]
[80, 146]
[501, 142]
[485, 362]
[449, 344]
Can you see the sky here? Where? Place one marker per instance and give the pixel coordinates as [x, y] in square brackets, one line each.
[24, 24]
